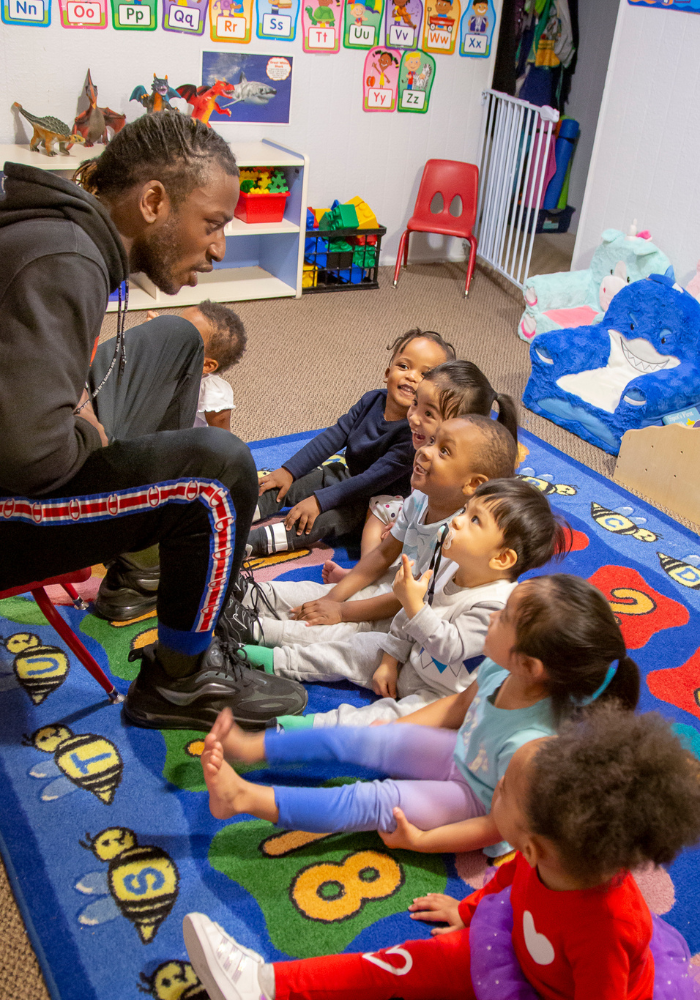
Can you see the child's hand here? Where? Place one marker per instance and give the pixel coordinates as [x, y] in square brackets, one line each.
[409, 591]
[439, 908]
[322, 611]
[406, 835]
[280, 479]
[305, 513]
[385, 676]
[152, 314]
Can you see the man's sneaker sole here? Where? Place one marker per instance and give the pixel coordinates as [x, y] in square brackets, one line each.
[121, 613]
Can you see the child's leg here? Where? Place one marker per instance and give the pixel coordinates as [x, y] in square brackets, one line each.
[384, 710]
[372, 533]
[355, 659]
[414, 970]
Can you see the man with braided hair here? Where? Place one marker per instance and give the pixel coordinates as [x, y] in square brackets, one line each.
[97, 462]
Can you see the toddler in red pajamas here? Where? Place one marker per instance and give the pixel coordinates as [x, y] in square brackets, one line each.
[564, 920]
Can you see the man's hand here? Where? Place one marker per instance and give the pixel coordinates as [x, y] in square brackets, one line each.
[319, 612]
[303, 515]
[280, 480]
[439, 908]
[406, 835]
[385, 676]
[409, 591]
[88, 413]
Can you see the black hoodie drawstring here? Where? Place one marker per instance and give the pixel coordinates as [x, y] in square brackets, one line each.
[119, 347]
[436, 560]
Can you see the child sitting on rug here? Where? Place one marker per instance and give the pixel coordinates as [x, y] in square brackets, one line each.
[563, 920]
[432, 646]
[224, 339]
[450, 390]
[467, 452]
[556, 646]
[330, 500]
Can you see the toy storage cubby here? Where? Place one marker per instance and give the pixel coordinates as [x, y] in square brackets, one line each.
[263, 260]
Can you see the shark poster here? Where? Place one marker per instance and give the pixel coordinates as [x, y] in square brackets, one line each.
[691, 6]
[262, 86]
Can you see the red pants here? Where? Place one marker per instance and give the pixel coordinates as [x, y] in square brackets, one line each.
[416, 970]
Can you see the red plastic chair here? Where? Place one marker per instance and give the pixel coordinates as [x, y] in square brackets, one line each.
[449, 178]
[66, 580]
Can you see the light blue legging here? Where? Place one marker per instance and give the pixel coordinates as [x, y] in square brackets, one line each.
[437, 794]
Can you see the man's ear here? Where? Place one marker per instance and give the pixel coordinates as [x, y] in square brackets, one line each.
[210, 366]
[473, 484]
[504, 561]
[154, 203]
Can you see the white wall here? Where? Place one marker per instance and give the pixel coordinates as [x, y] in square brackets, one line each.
[378, 156]
[646, 157]
[596, 29]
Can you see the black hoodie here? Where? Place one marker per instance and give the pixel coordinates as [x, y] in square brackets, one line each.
[62, 258]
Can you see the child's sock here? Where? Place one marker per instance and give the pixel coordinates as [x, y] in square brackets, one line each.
[291, 722]
[179, 652]
[261, 656]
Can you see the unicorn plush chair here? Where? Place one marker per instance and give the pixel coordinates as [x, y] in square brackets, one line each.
[639, 363]
[578, 298]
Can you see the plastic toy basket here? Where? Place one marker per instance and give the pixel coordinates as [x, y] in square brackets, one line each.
[341, 260]
[267, 207]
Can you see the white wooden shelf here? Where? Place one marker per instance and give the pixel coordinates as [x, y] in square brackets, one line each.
[263, 260]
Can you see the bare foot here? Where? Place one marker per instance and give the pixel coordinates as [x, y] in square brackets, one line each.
[332, 572]
[226, 788]
[235, 743]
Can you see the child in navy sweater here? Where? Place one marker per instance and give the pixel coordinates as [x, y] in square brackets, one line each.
[332, 499]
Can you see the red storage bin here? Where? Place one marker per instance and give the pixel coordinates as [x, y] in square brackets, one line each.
[261, 207]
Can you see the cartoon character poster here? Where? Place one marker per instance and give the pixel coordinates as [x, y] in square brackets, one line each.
[440, 26]
[32, 13]
[231, 21]
[416, 77]
[277, 19]
[321, 25]
[477, 28]
[83, 13]
[691, 6]
[187, 16]
[262, 86]
[135, 15]
[381, 80]
[363, 23]
[403, 23]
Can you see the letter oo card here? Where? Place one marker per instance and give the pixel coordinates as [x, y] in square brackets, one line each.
[83, 13]
[416, 76]
[381, 80]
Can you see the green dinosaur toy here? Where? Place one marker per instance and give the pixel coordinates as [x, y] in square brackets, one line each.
[48, 130]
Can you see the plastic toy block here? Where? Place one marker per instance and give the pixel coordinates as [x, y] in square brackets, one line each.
[311, 220]
[319, 213]
[366, 219]
[247, 185]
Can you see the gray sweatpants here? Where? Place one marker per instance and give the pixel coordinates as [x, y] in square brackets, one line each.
[287, 594]
[356, 660]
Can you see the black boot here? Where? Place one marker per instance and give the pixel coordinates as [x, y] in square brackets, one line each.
[127, 591]
[158, 701]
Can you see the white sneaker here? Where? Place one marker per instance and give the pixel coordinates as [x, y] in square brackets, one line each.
[227, 970]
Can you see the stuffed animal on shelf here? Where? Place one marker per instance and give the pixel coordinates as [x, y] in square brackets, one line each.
[92, 124]
[577, 298]
[639, 363]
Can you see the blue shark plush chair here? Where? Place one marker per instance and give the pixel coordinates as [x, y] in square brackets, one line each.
[639, 363]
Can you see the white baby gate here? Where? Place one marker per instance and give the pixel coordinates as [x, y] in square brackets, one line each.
[513, 155]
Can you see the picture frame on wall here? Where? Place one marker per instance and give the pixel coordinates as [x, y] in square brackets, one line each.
[262, 86]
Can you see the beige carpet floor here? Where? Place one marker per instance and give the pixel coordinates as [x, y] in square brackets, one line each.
[307, 362]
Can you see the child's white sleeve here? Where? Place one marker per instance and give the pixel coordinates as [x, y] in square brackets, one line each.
[397, 642]
[452, 641]
[215, 395]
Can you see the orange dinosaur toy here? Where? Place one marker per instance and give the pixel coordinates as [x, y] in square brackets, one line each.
[203, 99]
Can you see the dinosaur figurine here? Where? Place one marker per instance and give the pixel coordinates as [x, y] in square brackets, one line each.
[92, 124]
[48, 130]
[322, 17]
[158, 99]
[203, 99]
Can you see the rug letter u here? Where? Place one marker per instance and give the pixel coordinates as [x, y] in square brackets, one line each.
[390, 968]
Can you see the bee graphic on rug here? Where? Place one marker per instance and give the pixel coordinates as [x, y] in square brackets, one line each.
[37, 669]
[545, 484]
[620, 523]
[684, 571]
[84, 761]
[173, 980]
[141, 883]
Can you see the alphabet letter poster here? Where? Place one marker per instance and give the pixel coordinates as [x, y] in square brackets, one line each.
[33, 13]
[403, 23]
[83, 13]
[277, 19]
[381, 79]
[477, 27]
[690, 6]
[187, 16]
[363, 23]
[231, 21]
[128, 15]
[416, 77]
[440, 26]
[321, 25]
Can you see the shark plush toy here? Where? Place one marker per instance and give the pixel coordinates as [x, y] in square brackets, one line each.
[639, 363]
[575, 298]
